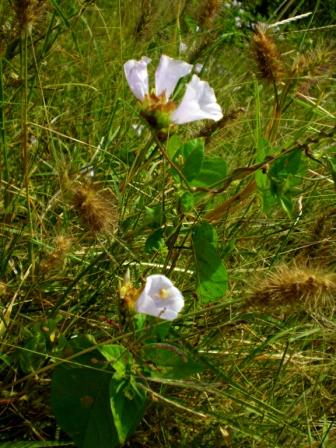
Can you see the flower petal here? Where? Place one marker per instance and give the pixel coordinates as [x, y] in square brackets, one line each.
[156, 282]
[199, 103]
[137, 76]
[168, 73]
[160, 298]
[146, 305]
[168, 314]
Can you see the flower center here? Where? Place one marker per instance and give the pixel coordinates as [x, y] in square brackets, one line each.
[159, 103]
[157, 110]
[163, 293]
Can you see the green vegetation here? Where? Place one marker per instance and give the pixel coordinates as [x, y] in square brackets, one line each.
[98, 192]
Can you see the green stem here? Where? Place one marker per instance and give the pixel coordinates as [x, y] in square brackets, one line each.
[3, 138]
[25, 149]
[138, 161]
[172, 164]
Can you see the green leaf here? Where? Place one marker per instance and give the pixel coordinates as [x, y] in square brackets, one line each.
[283, 179]
[189, 157]
[155, 242]
[80, 401]
[213, 170]
[173, 145]
[193, 162]
[154, 217]
[279, 184]
[93, 400]
[186, 202]
[211, 273]
[127, 402]
[288, 164]
[33, 352]
[266, 197]
[168, 361]
[160, 332]
[118, 357]
[185, 149]
[139, 321]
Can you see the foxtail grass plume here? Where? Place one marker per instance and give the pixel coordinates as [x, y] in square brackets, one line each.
[97, 209]
[56, 258]
[198, 103]
[208, 12]
[28, 13]
[267, 55]
[295, 287]
[145, 21]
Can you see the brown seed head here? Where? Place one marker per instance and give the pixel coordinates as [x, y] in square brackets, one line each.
[55, 259]
[295, 287]
[97, 209]
[209, 11]
[145, 19]
[28, 13]
[267, 55]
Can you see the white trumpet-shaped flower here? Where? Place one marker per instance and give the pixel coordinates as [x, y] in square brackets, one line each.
[159, 298]
[198, 103]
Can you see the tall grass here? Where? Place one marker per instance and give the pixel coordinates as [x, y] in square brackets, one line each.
[88, 192]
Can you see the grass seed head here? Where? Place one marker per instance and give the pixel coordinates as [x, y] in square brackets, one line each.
[209, 12]
[145, 19]
[28, 13]
[267, 55]
[97, 209]
[295, 287]
[55, 259]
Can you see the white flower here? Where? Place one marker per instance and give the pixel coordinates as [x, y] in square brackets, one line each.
[168, 74]
[137, 76]
[160, 298]
[199, 101]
